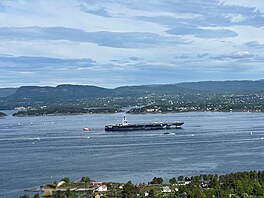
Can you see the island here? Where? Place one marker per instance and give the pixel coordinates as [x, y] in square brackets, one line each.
[45, 111]
[232, 185]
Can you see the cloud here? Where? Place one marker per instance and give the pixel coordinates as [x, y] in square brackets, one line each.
[102, 38]
[25, 65]
[96, 10]
[235, 56]
[203, 33]
[256, 4]
[204, 14]
[45, 60]
[254, 44]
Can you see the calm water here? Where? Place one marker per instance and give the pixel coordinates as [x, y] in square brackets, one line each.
[37, 150]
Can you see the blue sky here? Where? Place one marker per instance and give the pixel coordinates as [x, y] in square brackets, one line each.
[112, 43]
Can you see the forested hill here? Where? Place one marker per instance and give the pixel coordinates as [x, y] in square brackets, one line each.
[62, 94]
[7, 91]
[97, 96]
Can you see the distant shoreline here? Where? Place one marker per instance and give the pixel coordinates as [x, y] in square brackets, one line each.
[64, 111]
[33, 113]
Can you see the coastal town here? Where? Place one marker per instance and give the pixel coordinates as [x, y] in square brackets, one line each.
[233, 185]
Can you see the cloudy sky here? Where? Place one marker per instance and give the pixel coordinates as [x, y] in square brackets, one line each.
[111, 43]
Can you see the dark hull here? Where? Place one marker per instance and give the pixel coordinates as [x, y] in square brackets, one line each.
[151, 126]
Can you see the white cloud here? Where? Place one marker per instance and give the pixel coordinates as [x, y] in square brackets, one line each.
[256, 4]
[236, 17]
[58, 13]
[247, 34]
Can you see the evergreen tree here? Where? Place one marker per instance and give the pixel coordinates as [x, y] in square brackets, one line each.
[129, 190]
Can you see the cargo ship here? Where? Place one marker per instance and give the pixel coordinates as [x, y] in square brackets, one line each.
[125, 126]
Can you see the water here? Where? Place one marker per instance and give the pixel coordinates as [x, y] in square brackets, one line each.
[38, 150]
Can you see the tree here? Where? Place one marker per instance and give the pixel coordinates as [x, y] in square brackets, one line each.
[86, 179]
[258, 190]
[173, 180]
[239, 187]
[129, 190]
[66, 180]
[181, 178]
[151, 194]
[214, 182]
[24, 196]
[157, 180]
[36, 196]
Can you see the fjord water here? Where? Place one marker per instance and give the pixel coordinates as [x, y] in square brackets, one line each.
[38, 150]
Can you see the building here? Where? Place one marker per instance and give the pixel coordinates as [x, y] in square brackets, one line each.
[102, 188]
[96, 184]
[166, 189]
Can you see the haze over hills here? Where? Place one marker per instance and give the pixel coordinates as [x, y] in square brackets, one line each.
[90, 95]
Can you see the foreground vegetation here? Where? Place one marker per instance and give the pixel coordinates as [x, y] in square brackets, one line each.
[233, 185]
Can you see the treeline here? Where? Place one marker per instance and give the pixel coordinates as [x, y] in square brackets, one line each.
[242, 184]
[233, 185]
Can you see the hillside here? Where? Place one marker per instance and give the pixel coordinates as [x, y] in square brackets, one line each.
[86, 96]
[7, 91]
[143, 90]
[34, 95]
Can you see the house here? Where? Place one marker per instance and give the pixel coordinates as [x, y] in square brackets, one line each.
[102, 188]
[96, 184]
[187, 182]
[205, 184]
[166, 189]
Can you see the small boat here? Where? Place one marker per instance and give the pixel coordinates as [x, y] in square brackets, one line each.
[86, 129]
[167, 133]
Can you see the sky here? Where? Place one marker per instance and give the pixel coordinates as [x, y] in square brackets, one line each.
[111, 43]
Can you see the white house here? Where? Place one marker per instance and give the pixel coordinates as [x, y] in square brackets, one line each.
[102, 188]
[166, 189]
